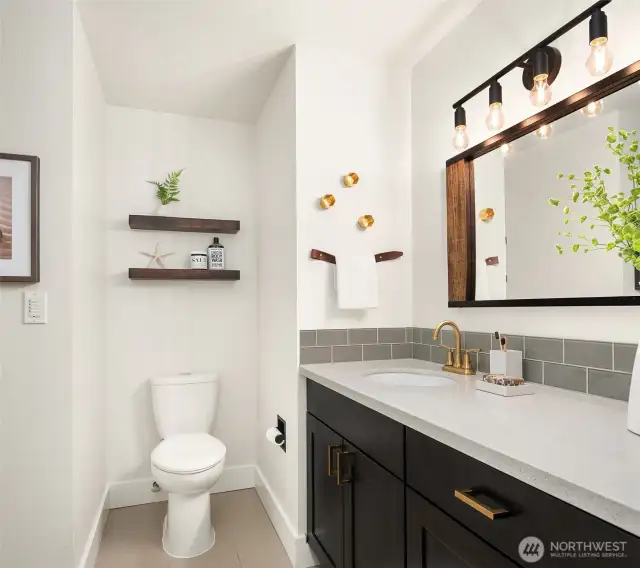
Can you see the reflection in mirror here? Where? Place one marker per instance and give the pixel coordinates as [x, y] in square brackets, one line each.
[524, 230]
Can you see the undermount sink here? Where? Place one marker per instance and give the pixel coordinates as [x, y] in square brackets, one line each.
[410, 379]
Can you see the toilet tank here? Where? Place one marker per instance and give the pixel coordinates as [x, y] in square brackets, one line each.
[184, 404]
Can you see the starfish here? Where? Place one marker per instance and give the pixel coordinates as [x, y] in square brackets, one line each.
[156, 256]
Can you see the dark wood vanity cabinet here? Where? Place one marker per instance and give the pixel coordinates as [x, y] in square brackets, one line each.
[381, 495]
[435, 540]
[355, 509]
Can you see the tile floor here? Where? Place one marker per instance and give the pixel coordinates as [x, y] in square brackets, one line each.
[245, 537]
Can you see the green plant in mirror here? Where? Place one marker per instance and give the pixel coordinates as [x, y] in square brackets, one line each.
[167, 191]
[615, 211]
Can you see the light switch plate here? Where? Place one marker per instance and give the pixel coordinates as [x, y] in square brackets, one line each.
[35, 307]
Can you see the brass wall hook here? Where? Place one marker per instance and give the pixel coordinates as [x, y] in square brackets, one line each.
[366, 221]
[327, 201]
[351, 179]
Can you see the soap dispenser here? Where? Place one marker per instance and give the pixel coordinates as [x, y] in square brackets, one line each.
[215, 255]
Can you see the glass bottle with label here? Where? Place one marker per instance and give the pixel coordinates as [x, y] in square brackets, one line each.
[215, 255]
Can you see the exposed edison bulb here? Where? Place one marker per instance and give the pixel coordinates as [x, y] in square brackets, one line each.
[600, 59]
[505, 149]
[544, 131]
[593, 109]
[495, 118]
[461, 138]
[541, 93]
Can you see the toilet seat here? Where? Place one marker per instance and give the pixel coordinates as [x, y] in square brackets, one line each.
[188, 453]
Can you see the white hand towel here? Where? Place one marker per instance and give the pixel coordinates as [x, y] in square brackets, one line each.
[356, 280]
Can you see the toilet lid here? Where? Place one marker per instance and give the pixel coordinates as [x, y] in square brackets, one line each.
[188, 453]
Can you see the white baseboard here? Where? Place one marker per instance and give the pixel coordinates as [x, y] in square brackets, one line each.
[138, 491]
[294, 544]
[90, 553]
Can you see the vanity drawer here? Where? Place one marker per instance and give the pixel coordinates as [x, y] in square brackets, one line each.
[438, 471]
[379, 437]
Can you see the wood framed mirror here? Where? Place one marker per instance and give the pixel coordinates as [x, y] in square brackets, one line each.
[510, 258]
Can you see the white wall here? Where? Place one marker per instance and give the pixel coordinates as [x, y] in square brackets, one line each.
[353, 115]
[88, 302]
[35, 388]
[278, 382]
[165, 327]
[465, 58]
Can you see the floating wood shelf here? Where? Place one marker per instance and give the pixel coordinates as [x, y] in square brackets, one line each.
[380, 257]
[182, 274]
[183, 224]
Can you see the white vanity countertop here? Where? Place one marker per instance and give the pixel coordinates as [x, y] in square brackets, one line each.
[573, 446]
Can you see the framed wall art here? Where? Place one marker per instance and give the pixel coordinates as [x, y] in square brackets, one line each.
[19, 218]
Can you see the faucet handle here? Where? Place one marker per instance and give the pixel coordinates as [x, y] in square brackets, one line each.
[450, 350]
[466, 364]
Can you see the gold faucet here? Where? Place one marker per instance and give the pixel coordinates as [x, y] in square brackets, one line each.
[456, 363]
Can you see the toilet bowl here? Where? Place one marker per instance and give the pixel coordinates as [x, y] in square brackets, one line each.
[187, 466]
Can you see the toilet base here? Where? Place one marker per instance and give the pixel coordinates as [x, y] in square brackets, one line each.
[187, 530]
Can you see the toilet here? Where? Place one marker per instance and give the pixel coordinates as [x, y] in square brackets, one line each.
[188, 461]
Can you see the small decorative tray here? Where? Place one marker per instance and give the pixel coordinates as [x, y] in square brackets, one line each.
[503, 386]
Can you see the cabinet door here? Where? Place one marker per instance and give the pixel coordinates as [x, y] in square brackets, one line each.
[374, 512]
[435, 540]
[325, 519]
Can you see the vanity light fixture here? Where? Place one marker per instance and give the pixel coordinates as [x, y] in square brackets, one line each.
[593, 109]
[495, 118]
[541, 65]
[600, 59]
[544, 132]
[505, 149]
[460, 137]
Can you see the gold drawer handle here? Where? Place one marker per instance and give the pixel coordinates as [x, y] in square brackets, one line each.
[466, 496]
[339, 477]
[330, 449]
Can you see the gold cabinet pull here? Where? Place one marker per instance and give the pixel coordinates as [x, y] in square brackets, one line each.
[467, 497]
[339, 477]
[330, 449]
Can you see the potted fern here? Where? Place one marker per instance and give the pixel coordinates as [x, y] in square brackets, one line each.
[167, 191]
[618, 213]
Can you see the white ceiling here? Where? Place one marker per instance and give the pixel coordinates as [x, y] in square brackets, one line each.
[221, 58]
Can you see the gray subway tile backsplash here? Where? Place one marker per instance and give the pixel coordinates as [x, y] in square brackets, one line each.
[311, 355]
[346, 353]
[483, 363]
[588, 353]
[565, 376]
[392, 335]
[376, 352]
[609, 384]
[543, 349]
[332, 337]
[473, 340]
[597, 367]
[307, 338]
[402, 351]
[624, 356]
[422, 352]
[532, 371]
[362, 336]
[438, 354]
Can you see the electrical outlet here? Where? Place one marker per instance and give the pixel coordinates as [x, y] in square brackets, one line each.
[35, 307]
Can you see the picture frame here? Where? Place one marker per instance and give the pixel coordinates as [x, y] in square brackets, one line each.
[19, 218]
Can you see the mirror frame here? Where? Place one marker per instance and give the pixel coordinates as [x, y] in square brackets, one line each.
[461, 214]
